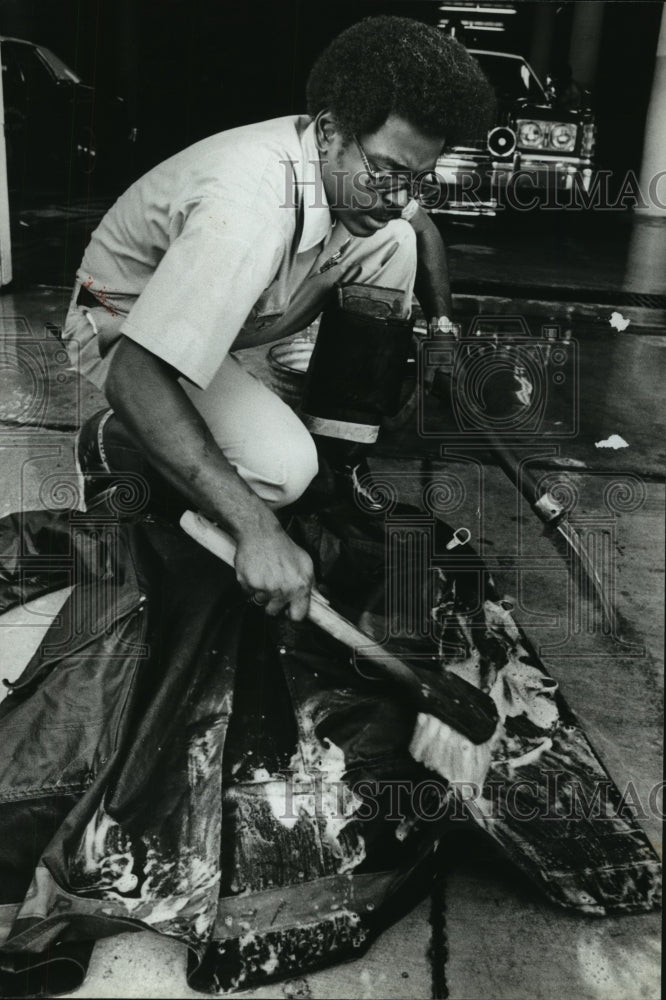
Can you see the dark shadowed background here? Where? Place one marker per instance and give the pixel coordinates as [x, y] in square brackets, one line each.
[187, 68]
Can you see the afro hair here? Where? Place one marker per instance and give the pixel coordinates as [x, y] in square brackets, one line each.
[395, 65]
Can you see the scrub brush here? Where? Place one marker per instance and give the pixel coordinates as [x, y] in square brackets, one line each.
[454, 725]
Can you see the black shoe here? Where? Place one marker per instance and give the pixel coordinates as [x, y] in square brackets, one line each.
[343, 473]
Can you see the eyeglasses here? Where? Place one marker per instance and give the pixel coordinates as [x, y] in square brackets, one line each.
[425, 187]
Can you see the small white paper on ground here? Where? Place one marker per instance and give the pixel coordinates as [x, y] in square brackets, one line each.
[618, 322]
[614, 441]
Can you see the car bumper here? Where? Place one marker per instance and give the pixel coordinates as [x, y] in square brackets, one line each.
[482, 185]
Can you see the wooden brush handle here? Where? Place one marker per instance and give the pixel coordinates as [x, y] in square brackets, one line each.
[462, 706]
[320, 611]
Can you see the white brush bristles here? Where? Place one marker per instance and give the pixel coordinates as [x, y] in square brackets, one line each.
[448, 752]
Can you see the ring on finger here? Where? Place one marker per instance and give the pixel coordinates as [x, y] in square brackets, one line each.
[260, 599]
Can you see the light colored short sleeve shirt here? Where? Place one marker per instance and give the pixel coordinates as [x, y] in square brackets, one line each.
[186, 254]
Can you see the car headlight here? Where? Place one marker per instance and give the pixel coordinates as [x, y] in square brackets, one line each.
[563, 137]
[530, 134]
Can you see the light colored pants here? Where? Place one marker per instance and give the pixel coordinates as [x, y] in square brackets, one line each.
[258, 433]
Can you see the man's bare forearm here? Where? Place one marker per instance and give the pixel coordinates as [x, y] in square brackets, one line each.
[146, 395]
[432, 271]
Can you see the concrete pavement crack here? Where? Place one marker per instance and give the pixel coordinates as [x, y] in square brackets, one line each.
[438, 950]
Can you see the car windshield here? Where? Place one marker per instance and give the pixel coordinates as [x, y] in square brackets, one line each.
[510, 76]
[59, 69]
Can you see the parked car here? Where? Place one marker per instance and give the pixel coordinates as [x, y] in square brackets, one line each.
[539, 151]
[57, 129]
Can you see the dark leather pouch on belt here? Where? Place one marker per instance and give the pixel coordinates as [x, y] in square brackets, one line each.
[358, 363]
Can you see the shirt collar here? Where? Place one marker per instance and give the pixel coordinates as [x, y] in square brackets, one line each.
[317, 221]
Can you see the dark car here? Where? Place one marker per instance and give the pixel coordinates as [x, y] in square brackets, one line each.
[539, 151]
[58, 131]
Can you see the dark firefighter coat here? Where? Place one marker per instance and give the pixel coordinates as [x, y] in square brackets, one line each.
[174, 760]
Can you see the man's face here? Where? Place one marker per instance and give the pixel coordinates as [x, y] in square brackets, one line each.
[397, 146]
